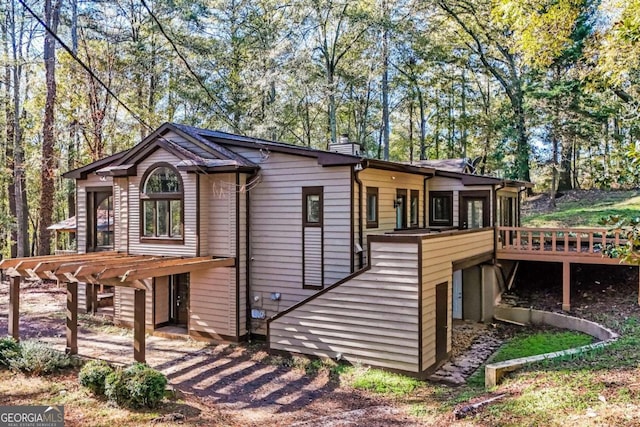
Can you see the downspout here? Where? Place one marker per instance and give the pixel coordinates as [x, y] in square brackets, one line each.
[424, 201]
[247, 262]
[357, 180]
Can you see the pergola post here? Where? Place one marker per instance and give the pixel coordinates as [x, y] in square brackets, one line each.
[88, 301]
[14, 308]
[139, 325]
[72, 318]
[566, 286]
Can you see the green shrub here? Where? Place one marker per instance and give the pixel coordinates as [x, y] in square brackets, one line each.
[135, 387]
[93, 375]
[36, 358]
[9, 350]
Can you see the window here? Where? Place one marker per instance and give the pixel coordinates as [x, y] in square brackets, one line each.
[372, 207]
[100, 219]
[414, 208]
[400, 205]
[441, 208]
[312, 206]
[161, 201]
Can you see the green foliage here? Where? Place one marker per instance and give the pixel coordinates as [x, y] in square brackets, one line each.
[94, 374]
[9, 350]
[135, 387]
[383, 382]
[37, 358]
[629, 227]
[587, 210]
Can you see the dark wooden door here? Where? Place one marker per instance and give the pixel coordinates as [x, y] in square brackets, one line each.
[474, 209]
[442, 323]
[179, 300]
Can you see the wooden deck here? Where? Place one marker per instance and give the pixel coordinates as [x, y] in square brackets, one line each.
[561, 245]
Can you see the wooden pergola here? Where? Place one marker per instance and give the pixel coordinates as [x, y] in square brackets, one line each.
[109, 268]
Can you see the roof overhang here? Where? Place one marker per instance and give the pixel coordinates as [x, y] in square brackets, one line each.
[397, 167]
[471, 180]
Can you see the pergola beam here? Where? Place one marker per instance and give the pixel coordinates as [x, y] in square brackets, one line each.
[168, 270]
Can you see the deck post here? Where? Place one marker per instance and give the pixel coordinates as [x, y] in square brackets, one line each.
[566, 286]
[638, 285]
[14, 308]
[72, 318]
[139, 325]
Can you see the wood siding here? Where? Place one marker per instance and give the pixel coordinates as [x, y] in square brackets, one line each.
[83, 185]
[439, 183]
[439, 253]
[387, 183]
[212, 301]
[189, 247]
[371, 318]
[313, 256]
[123, 307]
[276, 228]
[121, 209]
[161, 300]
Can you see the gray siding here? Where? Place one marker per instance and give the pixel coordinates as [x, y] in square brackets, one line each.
[276, 228]
[92, 181]
[123, 307]
[189, 248]
[212, 301]
[371, 318]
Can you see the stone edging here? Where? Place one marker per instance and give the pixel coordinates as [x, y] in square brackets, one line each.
[527, 316]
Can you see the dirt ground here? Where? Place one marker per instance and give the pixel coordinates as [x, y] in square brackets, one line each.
[243, 385]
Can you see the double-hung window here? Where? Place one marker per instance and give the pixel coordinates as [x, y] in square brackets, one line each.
[372, 207]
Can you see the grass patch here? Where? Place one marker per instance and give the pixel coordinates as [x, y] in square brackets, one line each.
[532, 345]
[540, 343]
[588, 211]
[382, 382]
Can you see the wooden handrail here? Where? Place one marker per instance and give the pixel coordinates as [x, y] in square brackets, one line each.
[589, 241]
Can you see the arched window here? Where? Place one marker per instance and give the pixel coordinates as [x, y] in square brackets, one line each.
[162, 195]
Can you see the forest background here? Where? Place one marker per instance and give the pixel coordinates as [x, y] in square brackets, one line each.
[542, 90]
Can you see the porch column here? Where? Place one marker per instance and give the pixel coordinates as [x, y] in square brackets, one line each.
[138, 325]
[14, 308]
[566, 286]
[72, 318]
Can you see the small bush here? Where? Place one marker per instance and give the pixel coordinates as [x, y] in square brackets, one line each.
[36, 358]
[9, 350]
[135, 387]
[93, 375]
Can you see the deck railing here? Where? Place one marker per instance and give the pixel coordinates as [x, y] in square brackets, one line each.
[583, 241]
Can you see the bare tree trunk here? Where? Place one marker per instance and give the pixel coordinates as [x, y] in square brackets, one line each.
[20, 194]
[10, 134]
[385, 81]
[47, 194]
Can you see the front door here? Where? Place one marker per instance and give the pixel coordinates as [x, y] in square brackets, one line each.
[442, 324]
[100, 219]
[457, 295]
[401, 209]
[179, 299]
[474, 209]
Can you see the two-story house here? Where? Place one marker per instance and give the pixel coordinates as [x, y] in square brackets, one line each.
[327, 252]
